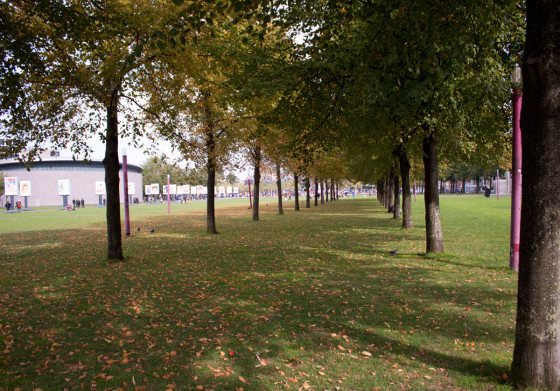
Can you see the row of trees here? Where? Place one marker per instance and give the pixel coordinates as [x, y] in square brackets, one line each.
[378, 91]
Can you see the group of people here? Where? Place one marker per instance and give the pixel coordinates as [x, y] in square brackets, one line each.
[8, 205]
[77, 203]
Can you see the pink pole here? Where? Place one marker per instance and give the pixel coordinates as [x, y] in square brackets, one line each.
[126, 205]
[516, 185]
[497, 184]
[168, 196]
[250, 196]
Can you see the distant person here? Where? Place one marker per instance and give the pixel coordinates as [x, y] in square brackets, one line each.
[104, 201]
[83, 203]
[73, 204]
[487, 192]
[8, 206]
[18, 204]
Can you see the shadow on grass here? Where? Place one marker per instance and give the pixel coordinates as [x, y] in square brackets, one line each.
[261, 306]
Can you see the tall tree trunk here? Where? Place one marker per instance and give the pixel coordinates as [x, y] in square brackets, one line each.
[210, 166]
[256, 182]
[211, 171]
[296, 191]
[316, 190]
[327, 190]
[463, 183]
[391, 191]
[404, 165]
[397, 202]
[536, 355]
[477, 184]
[279, 187]
[307, 193]
[322, 192]
[385, 191]
[112, 168]
[333, 198]
[434, 235]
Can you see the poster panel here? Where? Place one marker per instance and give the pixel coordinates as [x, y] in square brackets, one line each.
[25, 188]
[199, 190]
[183, 189]
[164, 191]
[99, 187]
[64, 187]
[155, 188]
[229, 189]
[131, 188]
[173, 189]
[148, 189]
[221, 189]
[11, 186]
[193, 190]
[204, 190]
[236, 190]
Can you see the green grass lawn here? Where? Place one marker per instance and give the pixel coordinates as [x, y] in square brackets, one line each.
[307, 300]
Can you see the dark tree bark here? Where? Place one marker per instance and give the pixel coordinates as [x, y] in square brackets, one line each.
[434, 235]
[296, 191]
[307, 193]
[316, 191]
[333, 198]
[327, 190]
[391, 191]
[279, 187]
[112, 168]
[536, 355]
[210, 167]
[322, 192]
[397, 196]
[404, 165]
[463, 183]
[386, 191]
[337, 190]
[477, 185]
[256, 182]
[211, 171]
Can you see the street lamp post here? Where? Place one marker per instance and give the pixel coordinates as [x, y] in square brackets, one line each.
[125, 185]
[168, 195]
[517, 177]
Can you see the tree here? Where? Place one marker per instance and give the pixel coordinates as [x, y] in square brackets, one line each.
[536, 355]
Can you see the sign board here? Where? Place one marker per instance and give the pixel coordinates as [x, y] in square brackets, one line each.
[64, 187]
[236, 190]
[11, 186]
[193, 190]
[131, 188]
[154, 188]
[25, 188]
[204, 190]
[221, 190]
[172, 189]
[100, 188]
[229, 190]
[199, 190]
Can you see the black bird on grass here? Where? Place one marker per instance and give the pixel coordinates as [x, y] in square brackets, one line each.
[138, 229]
[394, 251]
[153, 230]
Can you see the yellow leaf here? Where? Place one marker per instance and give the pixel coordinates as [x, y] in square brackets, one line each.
[242, 379]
